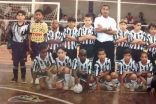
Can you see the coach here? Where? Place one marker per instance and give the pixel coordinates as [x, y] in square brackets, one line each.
[105, 28]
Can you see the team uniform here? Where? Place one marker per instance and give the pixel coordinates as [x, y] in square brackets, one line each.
[100, 67]
[87, 44]
[122, 45]
[18, 42]
[71, 46]
[39, 65]
[152, 51]
[38, 32]
[51, 35]
[137, 48]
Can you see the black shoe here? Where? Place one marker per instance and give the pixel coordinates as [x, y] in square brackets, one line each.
[13, 80]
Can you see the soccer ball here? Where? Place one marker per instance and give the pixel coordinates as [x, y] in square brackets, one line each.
[77, 88]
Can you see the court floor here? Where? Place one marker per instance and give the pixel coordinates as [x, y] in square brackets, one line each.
[10, 90]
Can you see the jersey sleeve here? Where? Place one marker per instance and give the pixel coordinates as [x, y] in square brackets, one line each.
[35, 66]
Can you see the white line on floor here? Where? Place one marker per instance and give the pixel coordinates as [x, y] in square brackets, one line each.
[46, 96]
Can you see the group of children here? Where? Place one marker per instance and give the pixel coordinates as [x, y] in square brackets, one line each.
[59, 65]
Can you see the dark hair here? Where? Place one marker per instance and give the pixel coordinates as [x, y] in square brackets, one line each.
[62, 48]
[151, 25]
[143, 52]
[105, 6]
[136, 22]
[43, 46]
[127, 51]
[101, 49]
[22, 12]
[39, 10]
[88, 16]
[71, 19]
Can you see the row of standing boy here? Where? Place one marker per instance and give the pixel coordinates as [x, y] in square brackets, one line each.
[136, 40]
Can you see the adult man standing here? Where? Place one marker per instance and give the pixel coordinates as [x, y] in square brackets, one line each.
[105, 28]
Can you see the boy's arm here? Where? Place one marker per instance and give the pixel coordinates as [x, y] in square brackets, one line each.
[9, 37]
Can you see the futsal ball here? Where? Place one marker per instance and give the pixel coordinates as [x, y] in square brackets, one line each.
[77, 88]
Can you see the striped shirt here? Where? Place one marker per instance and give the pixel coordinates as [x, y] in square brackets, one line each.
[140, 35]
[65, 62]
[40, 64]
[100, 67]
[143, 68]
[86, 31]
[119, 35]
[72, 32]
[152, 39]
[124, 67]
[19, 33]
[84, 67]
[51, 35]
[38, 30]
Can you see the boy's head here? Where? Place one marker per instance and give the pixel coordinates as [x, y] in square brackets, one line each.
[108, 78]
[137, 25]
[71, 22]
[105, 10]
[152, 29]
[20, 15]
[39, 15]
[114, 75]
[87, 20]
[127, 55]
[144, 57]
[54, 24]
[101, 54]
[43, 49]
[133, 77]
[82, 55]
[61, 52]
[123, 24]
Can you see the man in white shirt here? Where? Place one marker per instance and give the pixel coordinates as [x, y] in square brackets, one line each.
[105, 28]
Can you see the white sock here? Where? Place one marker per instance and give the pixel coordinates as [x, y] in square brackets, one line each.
[149, 80]
[67, 81]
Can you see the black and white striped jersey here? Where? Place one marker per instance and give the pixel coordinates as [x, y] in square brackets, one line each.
[140, 35]
[100, 67]
[143, 68]
[152, 39]
[86, 31]
[85, 67]
[119, 35]
[51, 35]
[19, 33]
[66, 62]
[72, 32]
[40, 64]
[130, 67]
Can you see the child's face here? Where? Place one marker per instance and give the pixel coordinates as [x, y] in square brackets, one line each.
[152, 30]
[123, 26]
[71, 24]
[144, 58]
[38, 16]
[82, 56]
[127, 57]
[61, 54]
[20, 17]
[87, 21]
[101, 55]
[137, 26]
[43, 53]
[54, 25]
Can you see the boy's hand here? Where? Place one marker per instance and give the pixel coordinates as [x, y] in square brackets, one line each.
[10, 51]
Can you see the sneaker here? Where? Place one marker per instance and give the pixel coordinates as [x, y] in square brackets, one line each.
[23, 81]
[13, 80]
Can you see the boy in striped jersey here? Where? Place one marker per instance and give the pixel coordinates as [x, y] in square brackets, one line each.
[63, 63]
[138, 40]
[121, 39]
[127, 67]
[145, 69]
[18, 45]
[54, 37]
[87, 36]
[43, 66]
[102, 69]
[152, 45]
[82, 68]
[38, 30]
[70, 38]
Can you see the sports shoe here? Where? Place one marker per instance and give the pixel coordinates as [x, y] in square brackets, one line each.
[23, 81]
[13, 80]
